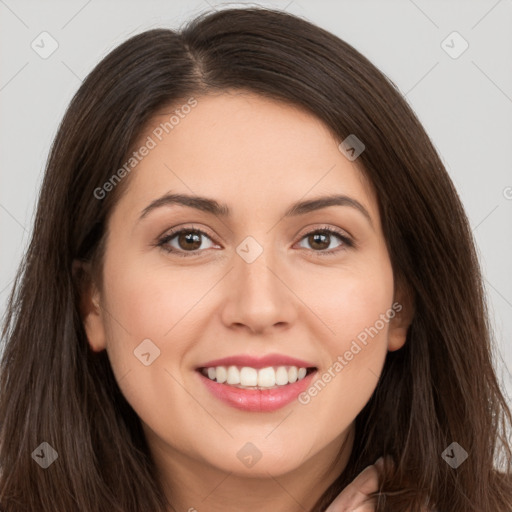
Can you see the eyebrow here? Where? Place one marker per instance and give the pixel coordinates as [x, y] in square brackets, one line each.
[212, 206]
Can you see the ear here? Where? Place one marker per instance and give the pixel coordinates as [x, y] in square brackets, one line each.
[403, 306]
[89, 306]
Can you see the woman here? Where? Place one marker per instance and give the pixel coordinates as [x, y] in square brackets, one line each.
[250, 277]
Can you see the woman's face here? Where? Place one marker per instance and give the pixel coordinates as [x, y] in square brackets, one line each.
[259, 289]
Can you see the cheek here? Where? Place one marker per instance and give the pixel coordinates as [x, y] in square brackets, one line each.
[160, 304]
[154, 304]
[356, 307]
[152, 301]
[350, 303]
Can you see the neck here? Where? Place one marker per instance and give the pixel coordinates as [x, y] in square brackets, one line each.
[191, 485]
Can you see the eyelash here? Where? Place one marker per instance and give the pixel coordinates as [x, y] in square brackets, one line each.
[347, 242]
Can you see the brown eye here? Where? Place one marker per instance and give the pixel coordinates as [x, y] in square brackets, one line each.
[321, 239]
[189, 240]
[184, 241]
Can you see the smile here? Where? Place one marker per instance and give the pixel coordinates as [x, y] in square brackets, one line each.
[254, 384]
[247, 377]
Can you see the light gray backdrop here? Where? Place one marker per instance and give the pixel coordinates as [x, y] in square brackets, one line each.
[463, 96]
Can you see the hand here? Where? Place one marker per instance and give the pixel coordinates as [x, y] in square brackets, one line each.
[353, 497]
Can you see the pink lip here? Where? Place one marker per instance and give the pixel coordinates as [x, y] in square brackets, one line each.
[257, 400]
[258, 362]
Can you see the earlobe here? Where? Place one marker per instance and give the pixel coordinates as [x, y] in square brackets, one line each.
[401, 321]
[396, 337]
[89, 306]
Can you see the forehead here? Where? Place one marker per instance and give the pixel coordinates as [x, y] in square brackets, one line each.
[245, 149]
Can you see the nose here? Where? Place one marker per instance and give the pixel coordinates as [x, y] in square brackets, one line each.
[258, 298]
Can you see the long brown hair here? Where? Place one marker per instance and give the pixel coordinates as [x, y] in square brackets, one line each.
[439, 388]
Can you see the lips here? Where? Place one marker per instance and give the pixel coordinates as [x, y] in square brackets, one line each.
[257, 400]
[257, 384]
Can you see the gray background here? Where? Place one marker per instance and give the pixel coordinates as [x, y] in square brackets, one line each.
[464, 103]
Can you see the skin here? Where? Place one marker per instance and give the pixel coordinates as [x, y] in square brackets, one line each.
[258, 156]
[354, 497]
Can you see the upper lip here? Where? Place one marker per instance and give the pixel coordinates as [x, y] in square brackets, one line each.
[258, 362]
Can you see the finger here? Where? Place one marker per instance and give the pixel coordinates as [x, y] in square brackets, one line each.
[356, 493]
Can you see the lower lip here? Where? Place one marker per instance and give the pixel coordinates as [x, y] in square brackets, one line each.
[257, 400]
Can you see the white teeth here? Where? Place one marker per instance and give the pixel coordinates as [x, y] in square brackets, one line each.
[281, 376]
[222, 374]
[233, 375]
[247, 377]
[267, 377]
